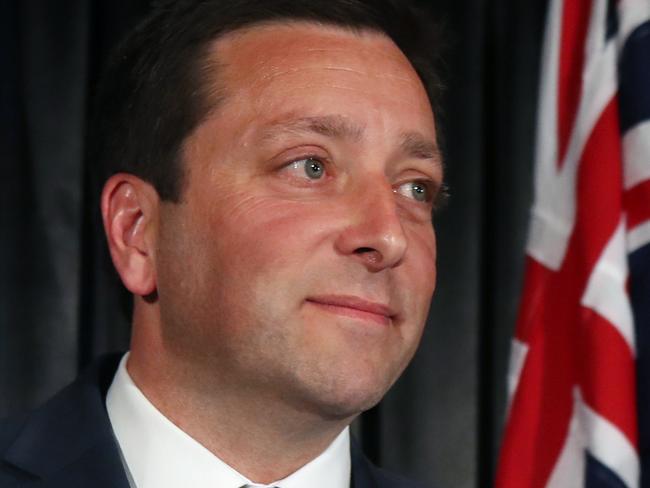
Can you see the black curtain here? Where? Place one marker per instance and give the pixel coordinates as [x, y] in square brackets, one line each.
[60, 302]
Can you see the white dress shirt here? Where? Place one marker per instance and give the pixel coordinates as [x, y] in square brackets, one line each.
[158, 454]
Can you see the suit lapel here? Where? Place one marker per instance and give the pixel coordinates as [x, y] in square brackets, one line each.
[69, 441]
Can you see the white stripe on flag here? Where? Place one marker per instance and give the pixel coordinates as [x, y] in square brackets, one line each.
[546, 148]
[607, 444]
[631, 14]
[597, 33]
[638, 237]
[606, 289]
[636, 148]
[518, 353]
[548, 235]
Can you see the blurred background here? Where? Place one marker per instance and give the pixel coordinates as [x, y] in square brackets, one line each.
[60, 304]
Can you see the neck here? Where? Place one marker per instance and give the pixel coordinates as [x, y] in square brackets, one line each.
[262, 438]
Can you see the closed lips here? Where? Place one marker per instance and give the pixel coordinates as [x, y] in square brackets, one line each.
[354, 304]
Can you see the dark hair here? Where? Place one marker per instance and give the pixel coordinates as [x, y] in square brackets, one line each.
[154, 91]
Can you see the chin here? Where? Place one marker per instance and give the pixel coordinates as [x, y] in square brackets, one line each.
[345, 397]
[351, 407]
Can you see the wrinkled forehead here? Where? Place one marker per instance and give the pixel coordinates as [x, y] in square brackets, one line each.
[306, 37]
[270, 52]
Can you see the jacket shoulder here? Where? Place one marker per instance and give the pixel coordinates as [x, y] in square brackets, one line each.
[389, 479]
[366, 475]
[68, 440]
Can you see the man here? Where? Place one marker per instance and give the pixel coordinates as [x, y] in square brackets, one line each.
[273, 169]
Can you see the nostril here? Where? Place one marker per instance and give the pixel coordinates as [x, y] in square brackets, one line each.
[369, 255]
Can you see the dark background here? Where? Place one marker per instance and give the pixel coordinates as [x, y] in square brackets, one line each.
[59, 304]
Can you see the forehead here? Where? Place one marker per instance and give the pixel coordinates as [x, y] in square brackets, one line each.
[287, 61]
[305, 41]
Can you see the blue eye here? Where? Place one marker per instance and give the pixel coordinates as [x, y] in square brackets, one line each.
[311, 167]
[416, 190]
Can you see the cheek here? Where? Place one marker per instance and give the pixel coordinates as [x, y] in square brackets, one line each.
[420, 262]
[267, 233]
[417, 279]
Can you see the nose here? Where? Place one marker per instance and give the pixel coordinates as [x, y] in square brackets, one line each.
[374, 235]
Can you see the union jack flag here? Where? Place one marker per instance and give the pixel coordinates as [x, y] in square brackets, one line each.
[580, 365]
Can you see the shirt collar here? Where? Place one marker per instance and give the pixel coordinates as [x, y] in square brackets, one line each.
[157, 453]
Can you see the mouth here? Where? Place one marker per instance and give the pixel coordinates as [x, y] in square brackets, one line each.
[354, 307]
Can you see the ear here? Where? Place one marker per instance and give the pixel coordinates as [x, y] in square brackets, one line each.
[130, 213]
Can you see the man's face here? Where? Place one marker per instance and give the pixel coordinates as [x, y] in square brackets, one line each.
[300, 262]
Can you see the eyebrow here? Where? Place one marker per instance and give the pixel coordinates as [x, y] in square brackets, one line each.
[417, 146]
[412, 144]
[335, 126]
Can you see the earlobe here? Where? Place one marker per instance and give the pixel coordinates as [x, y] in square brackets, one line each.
[129, 210]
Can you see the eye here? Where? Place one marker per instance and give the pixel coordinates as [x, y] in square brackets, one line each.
[310, 168]
[417, 190]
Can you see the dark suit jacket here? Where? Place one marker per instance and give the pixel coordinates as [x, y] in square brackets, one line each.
[69, 443]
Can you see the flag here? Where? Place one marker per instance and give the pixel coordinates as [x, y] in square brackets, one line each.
[579, 367]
